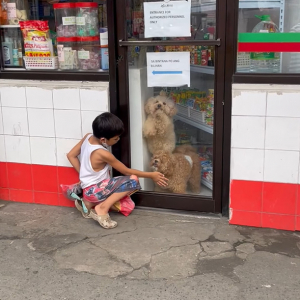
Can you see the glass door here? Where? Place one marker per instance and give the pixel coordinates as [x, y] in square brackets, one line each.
[171, 81]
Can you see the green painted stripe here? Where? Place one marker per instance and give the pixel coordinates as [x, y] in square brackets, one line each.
[278, 37]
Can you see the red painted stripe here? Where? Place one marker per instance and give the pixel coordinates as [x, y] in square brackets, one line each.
[265, 204]
[269, 47]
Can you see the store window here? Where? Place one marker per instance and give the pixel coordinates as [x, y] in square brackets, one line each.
[54, 35]
[172, 116]
[268, 36]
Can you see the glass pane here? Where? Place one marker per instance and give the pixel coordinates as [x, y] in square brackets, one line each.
[271, 48]
[52, 36]
[201, 19]
[172, 117]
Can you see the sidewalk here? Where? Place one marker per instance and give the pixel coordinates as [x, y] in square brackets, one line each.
[53, 253]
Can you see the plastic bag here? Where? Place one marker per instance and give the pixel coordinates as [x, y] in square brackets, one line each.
[74, 192]
[125, 206]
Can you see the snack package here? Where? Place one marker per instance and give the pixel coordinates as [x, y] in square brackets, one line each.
[37, 40]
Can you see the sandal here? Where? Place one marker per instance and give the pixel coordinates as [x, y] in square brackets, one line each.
[105, 221]
[78, 205]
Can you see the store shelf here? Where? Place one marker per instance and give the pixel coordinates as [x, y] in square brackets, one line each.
[204, 7]
[242, 4]
[203, 69]
[196, 124]
[259, 4]
[9, 26]
[207, 183]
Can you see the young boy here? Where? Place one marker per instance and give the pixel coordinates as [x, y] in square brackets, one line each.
[99, 189]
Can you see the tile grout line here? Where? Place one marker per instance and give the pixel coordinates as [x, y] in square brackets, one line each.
[29, 137]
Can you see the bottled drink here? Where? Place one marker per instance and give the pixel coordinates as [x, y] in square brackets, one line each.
[265, 62]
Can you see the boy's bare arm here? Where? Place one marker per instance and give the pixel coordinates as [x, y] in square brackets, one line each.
[117, 165]
[74, 153]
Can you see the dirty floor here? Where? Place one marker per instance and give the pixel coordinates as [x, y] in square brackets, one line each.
[53, 253]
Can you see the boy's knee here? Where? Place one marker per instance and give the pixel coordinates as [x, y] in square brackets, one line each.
[134, 177]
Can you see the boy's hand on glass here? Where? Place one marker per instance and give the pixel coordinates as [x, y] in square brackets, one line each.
[160, 179]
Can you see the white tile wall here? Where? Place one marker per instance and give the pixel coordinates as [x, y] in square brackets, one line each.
[68, 124]
[248, 132]
[249, 103]
[39, 98]
[2, 149]
[13, 96]
[41, 122]
[281, 166]
[63, 147]
[283, 104]
[247, 164]
[94, 100]
[17, 149]
[283, 133]
[1, 121]
[66, 99]
[278, 138]
[15, 121]
[87, 118]
[43, 151]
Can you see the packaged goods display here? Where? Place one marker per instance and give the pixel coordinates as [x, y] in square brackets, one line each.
[87, 21]
[88, 53]
[37, 41]
[65, 19]
[67, 53]
[196, 100]
[14, 11]
[199, 55]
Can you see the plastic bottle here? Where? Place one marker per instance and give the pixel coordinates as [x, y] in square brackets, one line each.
[265, 62]
[7, 50]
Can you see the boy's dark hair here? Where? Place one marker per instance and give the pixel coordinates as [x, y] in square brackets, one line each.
[107, 126]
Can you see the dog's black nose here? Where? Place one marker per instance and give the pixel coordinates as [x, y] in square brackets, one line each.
[159, 105]
[156, 161]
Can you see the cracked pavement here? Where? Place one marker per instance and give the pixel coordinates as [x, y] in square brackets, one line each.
[53, 253]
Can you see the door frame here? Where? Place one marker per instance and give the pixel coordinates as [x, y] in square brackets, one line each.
[120, 107]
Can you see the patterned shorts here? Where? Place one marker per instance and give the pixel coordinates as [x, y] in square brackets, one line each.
[101, 191]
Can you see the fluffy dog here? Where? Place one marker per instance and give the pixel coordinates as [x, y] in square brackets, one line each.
[182, 168]
[158, 128]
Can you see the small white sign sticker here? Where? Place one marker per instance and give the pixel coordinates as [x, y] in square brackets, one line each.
[168, 69]
[167, 18]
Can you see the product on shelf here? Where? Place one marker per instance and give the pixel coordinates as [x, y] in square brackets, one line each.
[67, 53]
[205, 154]
[65, 19]
[197, 100]
[87, 20]
[265, 62]
[88, 53]
[16, 11]
[199, 55]
[37, 41]
[104, 48]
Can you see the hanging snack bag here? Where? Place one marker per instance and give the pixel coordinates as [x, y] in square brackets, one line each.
[37, 40]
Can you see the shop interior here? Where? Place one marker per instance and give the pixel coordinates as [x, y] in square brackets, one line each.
[194, 118]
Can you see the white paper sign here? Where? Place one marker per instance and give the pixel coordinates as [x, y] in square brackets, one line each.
[167, 18]
[168, 69]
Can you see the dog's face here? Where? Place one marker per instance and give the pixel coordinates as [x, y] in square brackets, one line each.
[162, 162]
[160, 105]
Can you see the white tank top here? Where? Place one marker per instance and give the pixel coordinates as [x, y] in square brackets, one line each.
[87, 174]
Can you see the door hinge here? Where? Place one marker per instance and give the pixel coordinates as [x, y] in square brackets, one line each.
[120, 58]
[223, 102]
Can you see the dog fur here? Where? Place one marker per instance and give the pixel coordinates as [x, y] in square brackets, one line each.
[158, 128]
[178, 170]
